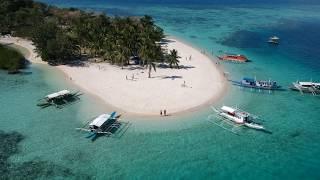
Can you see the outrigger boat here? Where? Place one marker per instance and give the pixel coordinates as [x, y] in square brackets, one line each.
[306, 87]
[234, 58]
[106, 124]
[234, 117]
[274, 40]
[59, 99]
[257, 84]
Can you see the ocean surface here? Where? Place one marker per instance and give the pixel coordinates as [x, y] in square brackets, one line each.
[44, 144]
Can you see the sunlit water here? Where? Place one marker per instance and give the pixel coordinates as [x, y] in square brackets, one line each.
[46, 143]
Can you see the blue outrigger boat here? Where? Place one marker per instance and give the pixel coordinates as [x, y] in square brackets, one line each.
[257, 84]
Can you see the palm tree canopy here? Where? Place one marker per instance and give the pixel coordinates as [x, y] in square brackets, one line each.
[173, 58]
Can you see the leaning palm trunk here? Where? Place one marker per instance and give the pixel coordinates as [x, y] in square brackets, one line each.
[151, 65]
[149, 71]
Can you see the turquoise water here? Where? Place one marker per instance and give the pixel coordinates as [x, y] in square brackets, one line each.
[46, 144]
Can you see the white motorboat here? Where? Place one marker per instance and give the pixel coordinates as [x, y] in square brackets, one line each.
[239, 116]
[306, 87]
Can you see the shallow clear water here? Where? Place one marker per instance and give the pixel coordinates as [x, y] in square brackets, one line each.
[188, 147]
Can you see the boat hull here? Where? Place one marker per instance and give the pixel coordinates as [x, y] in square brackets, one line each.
[254, 126]
[234, 58]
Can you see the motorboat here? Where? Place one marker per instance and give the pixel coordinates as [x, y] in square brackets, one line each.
[306, 87]
[257, 84]
[234, 58]
[274, 40]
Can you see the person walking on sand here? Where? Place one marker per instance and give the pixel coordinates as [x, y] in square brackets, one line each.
[160, 112]
[165, 112]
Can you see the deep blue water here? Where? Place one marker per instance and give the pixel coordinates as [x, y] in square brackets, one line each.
[44, 143]
[300, 40]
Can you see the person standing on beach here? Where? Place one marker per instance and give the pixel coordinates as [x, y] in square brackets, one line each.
[160, 112]
[165, 112]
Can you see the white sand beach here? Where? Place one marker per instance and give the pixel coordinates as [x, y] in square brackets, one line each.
[197, 83]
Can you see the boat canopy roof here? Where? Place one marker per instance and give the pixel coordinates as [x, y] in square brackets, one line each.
[58, 94]
[309, 84]
[248, 79]
[233, 54]
[305, 83]
[228, 109]
[100, 120]
[274, 38]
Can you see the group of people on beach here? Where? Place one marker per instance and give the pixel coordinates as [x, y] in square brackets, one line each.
[164, 112]
[190, 57]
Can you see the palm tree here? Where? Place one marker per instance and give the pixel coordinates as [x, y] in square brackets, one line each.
[121, 56]
[151, 65]
[173, 58]
[148, 55]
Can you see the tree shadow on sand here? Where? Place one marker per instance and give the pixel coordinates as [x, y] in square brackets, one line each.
[166, 66]
[165, 41]
[171, 77]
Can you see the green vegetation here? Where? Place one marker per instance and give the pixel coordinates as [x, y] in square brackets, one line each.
[64, 35]
[10, 59]
[173, 59]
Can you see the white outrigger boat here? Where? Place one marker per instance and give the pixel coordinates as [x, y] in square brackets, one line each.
[306, 87]
[59, 99]
[106, 124]
[234, 117]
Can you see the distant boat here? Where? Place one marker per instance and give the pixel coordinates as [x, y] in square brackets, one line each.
[306, 87]
[234, 58]
[257, 84]
[274, 40]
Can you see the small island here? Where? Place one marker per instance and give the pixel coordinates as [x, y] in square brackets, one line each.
[127, 62]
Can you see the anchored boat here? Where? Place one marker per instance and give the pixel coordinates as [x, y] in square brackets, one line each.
[257, 84]
[106, 124]
[230, 118]
[306, 87]
[274, 40]
[59, 99]
[234, 58]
